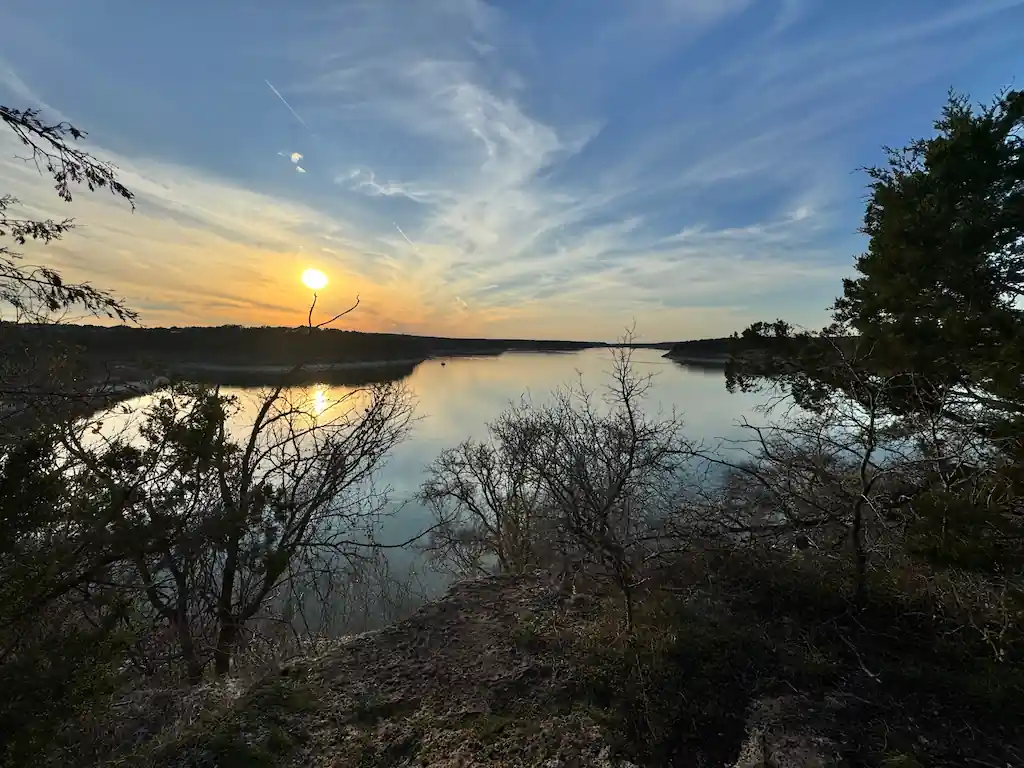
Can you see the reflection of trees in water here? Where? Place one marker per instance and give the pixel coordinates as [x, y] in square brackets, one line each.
[367, 591]
[349, 376]
[708, 367]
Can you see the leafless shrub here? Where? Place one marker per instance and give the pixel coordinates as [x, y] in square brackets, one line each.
[488, 497]
[853, 473]
[587, 481]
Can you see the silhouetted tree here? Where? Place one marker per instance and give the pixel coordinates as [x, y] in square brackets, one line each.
[929, 334]
[37, 292]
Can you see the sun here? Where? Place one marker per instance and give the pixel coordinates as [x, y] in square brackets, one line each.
[314, 279]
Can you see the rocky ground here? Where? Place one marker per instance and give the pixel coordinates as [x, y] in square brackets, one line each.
[490, 675]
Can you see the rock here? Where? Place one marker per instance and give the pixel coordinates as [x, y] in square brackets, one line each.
[604, 760]
[789, 732]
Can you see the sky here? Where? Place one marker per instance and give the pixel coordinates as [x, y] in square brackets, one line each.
[512, 168]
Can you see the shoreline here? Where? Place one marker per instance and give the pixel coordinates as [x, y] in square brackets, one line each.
[716, 360]
[349, 365]
[128, 380]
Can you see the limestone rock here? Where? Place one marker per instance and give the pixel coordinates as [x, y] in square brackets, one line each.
[789, 732]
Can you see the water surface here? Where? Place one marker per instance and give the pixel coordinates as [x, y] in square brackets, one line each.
[457, 397]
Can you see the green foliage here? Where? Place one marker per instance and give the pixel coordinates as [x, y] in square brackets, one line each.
[935, 297]
[675, 682]
[55, 659]
[938, 285]
[929, 334]
[31, 490]
[264, 730]
[64, 671]
[910, 676]
[953, 531]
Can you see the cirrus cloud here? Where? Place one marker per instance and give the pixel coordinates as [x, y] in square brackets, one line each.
[492, 168]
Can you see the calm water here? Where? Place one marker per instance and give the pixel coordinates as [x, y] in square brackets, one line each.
[456, 400]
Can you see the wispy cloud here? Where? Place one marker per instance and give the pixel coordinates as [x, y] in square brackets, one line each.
[509, 171]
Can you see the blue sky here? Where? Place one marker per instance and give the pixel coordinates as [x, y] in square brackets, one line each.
[505, 168]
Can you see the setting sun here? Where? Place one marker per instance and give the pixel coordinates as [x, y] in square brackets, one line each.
[314, 279]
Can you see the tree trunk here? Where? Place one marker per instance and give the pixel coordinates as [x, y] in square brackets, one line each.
[226, 619]
[627, 594]
[226, 639]
[193, 666]
[860, 558]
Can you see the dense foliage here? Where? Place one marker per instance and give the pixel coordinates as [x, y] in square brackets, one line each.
[928, 335]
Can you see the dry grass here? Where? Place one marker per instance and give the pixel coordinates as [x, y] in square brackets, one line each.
[507, 672]
[485, 676]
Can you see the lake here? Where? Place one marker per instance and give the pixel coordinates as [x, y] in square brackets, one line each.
[457, 397]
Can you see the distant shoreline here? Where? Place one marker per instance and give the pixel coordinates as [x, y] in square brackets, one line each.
[183, 369]
[716, 360]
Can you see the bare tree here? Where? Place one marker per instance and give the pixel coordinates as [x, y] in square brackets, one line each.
[487, 497]
[849, 466]
[613, 472]
[586, 478]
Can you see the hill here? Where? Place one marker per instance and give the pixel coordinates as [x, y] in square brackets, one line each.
[741, 660]
[265, 345]
[717, 351]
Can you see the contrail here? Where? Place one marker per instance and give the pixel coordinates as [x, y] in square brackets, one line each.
[410, 242]
[285, 102]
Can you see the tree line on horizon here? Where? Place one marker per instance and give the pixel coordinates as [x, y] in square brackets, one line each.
[257, 345]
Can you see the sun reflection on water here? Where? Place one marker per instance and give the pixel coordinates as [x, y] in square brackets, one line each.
[320, 402]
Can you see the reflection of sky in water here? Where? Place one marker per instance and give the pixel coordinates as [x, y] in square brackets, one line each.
[456, 400]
